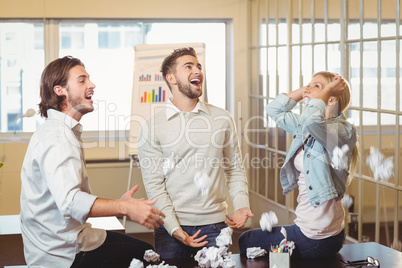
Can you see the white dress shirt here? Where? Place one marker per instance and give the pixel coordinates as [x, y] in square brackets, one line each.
[55, 195]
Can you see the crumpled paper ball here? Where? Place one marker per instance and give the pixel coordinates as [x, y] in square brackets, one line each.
[135, 263]
[382, 168]
[228, 263]
[268, 219]
[213, 257]
[201, 181]
[347, 201]
[255, 252]
[339, 158]
[225, 237]
[151, 256]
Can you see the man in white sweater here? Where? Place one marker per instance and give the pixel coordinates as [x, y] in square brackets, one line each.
[190, 161]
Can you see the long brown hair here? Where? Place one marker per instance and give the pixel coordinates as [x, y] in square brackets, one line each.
[343, 104]
[55, 74]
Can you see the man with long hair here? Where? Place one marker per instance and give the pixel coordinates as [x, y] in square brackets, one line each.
[56, 199]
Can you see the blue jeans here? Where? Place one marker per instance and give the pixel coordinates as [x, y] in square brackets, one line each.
[305, 247]
[118, 250]
[169, 247]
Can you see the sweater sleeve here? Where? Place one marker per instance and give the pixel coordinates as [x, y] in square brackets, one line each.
[151, 156]
[235, 174]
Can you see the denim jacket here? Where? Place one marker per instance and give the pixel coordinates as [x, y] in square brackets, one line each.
[320, 137]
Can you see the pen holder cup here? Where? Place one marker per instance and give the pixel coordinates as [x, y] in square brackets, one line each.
[279, 260]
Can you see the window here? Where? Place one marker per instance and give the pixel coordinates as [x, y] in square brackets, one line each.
[21, 64]
[364, 48]
[107, 50]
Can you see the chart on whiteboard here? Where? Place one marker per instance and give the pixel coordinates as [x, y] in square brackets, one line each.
[152, 93]
[151, 86]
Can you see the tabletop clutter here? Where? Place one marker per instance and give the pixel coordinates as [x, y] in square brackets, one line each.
[279, 255]
[221, 257]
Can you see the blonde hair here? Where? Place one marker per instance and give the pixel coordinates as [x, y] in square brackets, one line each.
[343, 104]
[344, 99]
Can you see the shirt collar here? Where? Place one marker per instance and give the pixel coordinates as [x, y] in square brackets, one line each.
[67, 120]
[172, 110]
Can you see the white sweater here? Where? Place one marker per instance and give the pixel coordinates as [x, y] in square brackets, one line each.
[204, 140]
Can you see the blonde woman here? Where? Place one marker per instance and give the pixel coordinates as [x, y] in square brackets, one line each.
[318, 230]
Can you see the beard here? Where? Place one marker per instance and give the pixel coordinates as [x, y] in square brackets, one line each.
[187, 91]
[76, 103]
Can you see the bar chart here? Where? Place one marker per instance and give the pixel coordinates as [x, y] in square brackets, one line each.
[148, 78]
[152, 94]
[145, 78]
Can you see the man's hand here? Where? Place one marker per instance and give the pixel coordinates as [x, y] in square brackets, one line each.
[191, 241]
[142, 211]
[239, 218]
[129, 195]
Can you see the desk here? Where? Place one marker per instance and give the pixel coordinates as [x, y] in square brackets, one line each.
[10, 224]
[389, 258]
[11, 246]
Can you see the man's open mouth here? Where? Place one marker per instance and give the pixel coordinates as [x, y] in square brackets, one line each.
[195, 81]
[89, 96]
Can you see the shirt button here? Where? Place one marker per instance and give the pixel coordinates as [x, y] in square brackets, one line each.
[307, 172]
[317, 203]
[308, 155]
[294, 136]
[311, 188]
